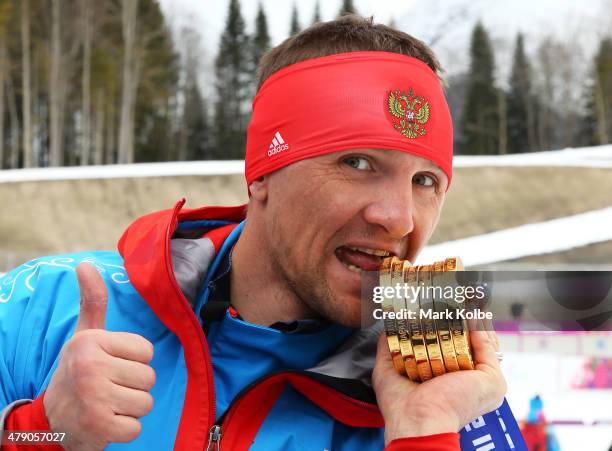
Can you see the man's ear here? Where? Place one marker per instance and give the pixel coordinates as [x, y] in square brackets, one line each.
[259, 189]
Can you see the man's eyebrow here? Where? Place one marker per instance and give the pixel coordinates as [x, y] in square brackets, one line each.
[433, 166]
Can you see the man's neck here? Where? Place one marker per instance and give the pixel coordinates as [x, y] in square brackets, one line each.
[259, 294]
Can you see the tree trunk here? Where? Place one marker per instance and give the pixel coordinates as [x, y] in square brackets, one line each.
[86, 80]
[14, 116]
[182, 138]
[99, 129]
[532, 140]
[600, 107]
[3, 71]
[129, 82]
[503, 122]
[110, 135]
[36, 110]
[26, 84]
[55, 90]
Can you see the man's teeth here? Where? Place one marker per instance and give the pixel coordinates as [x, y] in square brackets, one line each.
[365, 250]
[354, 268]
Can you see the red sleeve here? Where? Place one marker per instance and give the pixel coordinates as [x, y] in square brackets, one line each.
[28, 417]
[448, 441]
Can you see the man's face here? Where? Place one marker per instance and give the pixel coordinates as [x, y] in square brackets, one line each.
[331, 217]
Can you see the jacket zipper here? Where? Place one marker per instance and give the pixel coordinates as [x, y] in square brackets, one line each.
[207, 359]
[216, 432]
[214, 438]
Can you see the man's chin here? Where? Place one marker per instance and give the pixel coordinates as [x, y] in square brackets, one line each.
[344, 310]
[344, 286]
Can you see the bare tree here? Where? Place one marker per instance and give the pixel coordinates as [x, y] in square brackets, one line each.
[190, 68]
[110, 157]
[4, 64]
[26, 84]
[99, 128]
[88, 25]
[129, 81]
[55, 87]
[560, 70]
[600, 109]
[14, 117]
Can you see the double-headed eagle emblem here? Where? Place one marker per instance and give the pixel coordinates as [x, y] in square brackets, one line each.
[410, 113]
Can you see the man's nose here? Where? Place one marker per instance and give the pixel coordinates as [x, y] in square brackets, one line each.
[393, 210]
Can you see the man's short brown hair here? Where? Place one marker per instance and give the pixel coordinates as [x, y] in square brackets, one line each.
[350, 33]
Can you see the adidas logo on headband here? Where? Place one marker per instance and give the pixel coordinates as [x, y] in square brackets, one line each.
[278, 145]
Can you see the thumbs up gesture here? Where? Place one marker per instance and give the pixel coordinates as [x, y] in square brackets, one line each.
[102, 382]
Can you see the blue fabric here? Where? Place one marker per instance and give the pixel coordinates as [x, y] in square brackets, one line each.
[243, 352]
[225, 248]
[39, 305]
[202, 224]
[306, 427]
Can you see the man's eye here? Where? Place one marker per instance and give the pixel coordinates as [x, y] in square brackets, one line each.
[424, 179]
[358, 163]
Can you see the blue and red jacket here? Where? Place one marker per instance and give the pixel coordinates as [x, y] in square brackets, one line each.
[238, 386]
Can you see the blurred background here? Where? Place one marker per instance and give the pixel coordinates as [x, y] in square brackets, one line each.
[113, 108]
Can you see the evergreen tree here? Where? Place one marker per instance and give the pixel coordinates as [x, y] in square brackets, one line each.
[294, 28]
[261, 39]
[521, 130]
[596, 123]
[480, 119]
[316, 16]
[158, 75]
[347, 8]
[587, 128]
[233, 79]
[260, 44]
[197, 126]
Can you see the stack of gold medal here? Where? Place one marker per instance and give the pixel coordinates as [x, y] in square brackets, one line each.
[423, 348]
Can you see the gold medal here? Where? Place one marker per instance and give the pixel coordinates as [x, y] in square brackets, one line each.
[403, 329]
[415, 332]
[428, 323]
[423, 347]
[459, 328]
[386, 279]
[451, 264]
[443, 325]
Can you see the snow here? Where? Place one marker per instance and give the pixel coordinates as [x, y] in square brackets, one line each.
[529, 239]
[589, 157]
[182, 168]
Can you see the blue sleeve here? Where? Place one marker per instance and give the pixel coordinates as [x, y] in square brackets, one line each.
[39, 304]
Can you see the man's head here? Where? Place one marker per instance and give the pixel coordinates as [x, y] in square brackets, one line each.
[358, 161]
[348, 33]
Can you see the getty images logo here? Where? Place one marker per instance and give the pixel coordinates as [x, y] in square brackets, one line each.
[278, 145]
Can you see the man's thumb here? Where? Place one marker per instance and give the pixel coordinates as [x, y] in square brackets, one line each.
[94, 297]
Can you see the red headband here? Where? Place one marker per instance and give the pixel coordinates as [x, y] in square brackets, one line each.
[352, 100]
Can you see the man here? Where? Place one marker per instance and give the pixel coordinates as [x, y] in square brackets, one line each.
[210, 331]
